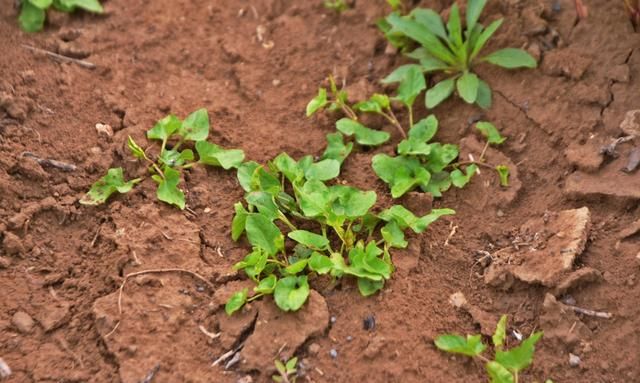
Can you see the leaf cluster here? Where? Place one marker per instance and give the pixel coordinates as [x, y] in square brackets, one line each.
[506, 365]
[34, 12]
[452, 49]
[299, 225]
[166, 168]
[287, 372]
[422, 164]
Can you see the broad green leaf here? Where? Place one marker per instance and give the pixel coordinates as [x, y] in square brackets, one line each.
[350, 202]
[263, 233]
[363, 135]
[236, 301]
[291, 292]
[425, 129]
[410, 86]
[112, 182]
[336, 148]
[468, 87]
[401, 173]
[423, 222]
[484, 99]
[460, 179]
[490, 132]
[406, 219]
[297, 267]
[440, 156]
[519, 358]
[31, 18]
[196, 126]
[440, 92]
[265, 203]
[239, 221]
[266, 285]
[318, 102]
[288, 166]
[314, 198]
[438, 183]
[253, 264]
[174, 158]
[245, 174]
[42, 4]
[400, 73]
[367, 287]
[474, 9]
[414, 147]
[323, 170]
[87, 5]
[264, 180]
[422, 35]
[319, 263]
[291, 365]
[471, 346]
[498, 373]
[164, 128]
[428, 63]
[484, 37]
[135, 149]
[500, 334]
[393, 235]
[168, 190]
[511, 58]
[430, 20]
[212, 154]
[455, 27]
[503, 172]
[309, 239]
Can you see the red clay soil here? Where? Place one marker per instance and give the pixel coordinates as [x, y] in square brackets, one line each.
[254, 65]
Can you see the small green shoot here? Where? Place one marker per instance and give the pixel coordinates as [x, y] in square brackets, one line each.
[336, 5]
[34, 12]
[166, 168]
[298, 225]
[507, 364]
[286, 372]
[451, 49]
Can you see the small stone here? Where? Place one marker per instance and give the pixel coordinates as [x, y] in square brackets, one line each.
[104, 130]
[22, 322]
[245, 379]
[569, 300]
[333, 319]
[5, 371]
[499, 213]
[369, 323]
[631, 123]
[574, 360]
[276, 82]
[349, 338]
[314, 349]
[333, 353]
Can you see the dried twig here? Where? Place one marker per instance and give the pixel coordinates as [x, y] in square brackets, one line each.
[53, 163]
[152, 271]
[597, 314]
[451, 234]
[56, 56]
[208, 333]
[151, 374]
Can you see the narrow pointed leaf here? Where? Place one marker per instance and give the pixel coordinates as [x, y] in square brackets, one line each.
[511, 58]
[440, 92]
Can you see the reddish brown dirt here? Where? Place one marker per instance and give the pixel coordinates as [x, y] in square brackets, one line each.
[61, 262]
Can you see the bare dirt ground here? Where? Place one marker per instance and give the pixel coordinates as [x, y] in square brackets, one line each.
[254, 65]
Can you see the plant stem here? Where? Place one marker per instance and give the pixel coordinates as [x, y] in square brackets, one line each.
[253, 298]
[483, 164]
[484, 150]
[394, 121]
[276, 262]
[286, 221]
[410, 116]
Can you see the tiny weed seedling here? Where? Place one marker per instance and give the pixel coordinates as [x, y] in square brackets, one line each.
[286, 372]
[34, 12]
[506, 365]
[452, 50]
[429, 165]
[336, 5]
[166, 168]
[337, 235]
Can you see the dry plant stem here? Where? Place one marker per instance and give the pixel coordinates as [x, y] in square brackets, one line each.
[597, 314]
[152, 271]
[472, 163]
[391, 117]
[82, 63]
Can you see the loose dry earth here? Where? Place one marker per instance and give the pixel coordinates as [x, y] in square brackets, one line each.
[563, 234]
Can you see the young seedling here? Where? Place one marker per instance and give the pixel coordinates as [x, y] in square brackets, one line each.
[286, 372]
[453, 49]
[422, 164]
[298, 225]
[34, 12]
[350, 126]
[506, 365]
[493, 137]
[336, 5]
[166, 168]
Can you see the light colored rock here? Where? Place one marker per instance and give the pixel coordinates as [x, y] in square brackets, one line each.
[5, 371]
[22, 322]
[631, 123]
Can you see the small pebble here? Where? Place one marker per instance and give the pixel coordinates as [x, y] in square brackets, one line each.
[574, 360]
[314, 348]
[5, 371]
[556, 7]
[333, 353]
[349, 338]
[569, 300]
[369, 323]
[276, 82]
[333, 319]
[200, 289]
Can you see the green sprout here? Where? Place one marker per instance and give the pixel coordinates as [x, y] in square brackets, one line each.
[506, 364]
[336, 5]
[452, 49]
[286, 372]
[166, 168]
[299, 225]
[34, 12]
